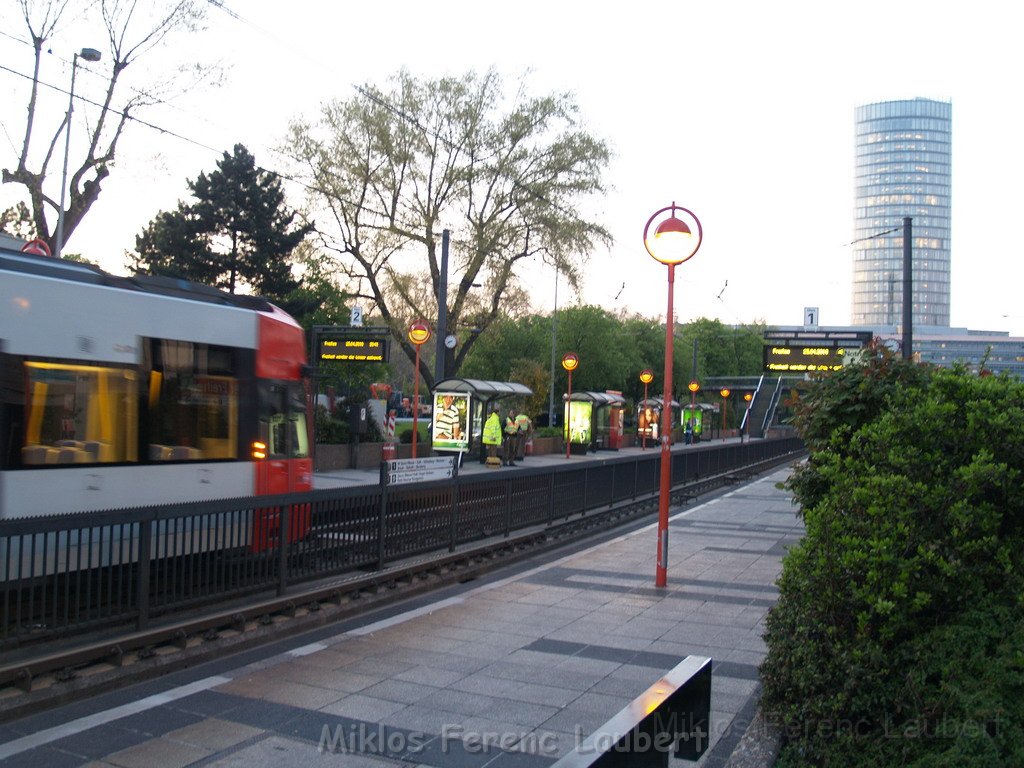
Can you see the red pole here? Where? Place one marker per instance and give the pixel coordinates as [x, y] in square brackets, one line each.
[416, 402]
[567, 411]
[661, 573]
[643, 436]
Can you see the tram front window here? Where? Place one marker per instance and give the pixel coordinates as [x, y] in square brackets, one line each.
[283, 420]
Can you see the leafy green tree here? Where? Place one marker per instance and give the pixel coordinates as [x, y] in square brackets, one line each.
[238, 230]
[172, 245]
[898, 636]
[393, 168]
[17, 221]
[319, 299]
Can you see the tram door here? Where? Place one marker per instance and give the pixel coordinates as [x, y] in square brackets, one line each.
[285, 465]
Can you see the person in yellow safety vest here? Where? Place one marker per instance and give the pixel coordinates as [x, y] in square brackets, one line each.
[511, 441]
[492, 437]
[523, 427]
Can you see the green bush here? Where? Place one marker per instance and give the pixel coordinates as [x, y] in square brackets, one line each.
[548, 432]
[898, 637]
[329, 431]
[404, 433]
[336, 431]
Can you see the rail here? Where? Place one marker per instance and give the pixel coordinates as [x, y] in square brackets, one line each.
[65, 575]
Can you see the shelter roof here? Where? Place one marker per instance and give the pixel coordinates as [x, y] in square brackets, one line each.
[599, 398]
[656, 402]
[481, 388]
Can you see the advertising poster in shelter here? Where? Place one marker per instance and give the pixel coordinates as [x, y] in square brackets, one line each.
[647, 421]
[579, 422]
[695, 416]
[451, 421]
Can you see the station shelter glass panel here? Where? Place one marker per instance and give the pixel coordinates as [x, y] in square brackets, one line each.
[594, 420]
[471, 402]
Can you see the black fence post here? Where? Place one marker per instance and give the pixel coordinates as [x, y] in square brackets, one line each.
[611, 501]
[586, 483]
[142, 598]
[508, 507]
[283, 529]
[551, 497]
[383, 513]
[455, 504]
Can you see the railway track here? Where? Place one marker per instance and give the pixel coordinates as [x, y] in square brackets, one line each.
[59, 672]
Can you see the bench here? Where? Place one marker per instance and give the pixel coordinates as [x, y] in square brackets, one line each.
[672, 716]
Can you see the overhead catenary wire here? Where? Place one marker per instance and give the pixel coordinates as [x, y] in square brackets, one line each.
[874, 236]
[367, 93]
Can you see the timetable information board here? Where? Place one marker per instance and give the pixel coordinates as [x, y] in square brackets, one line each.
[810, 351]
[363, 349]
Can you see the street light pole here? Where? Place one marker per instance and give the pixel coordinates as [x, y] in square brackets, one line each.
[554, 337]
[442, 310]
[908, 288]
[570, 361]
[671, 242]
[419, 334]
[89, 54]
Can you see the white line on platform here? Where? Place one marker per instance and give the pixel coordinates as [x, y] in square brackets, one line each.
[306, 650]
[404, 617]
[102, 718]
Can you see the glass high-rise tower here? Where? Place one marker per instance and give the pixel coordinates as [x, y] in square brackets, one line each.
[903, 169]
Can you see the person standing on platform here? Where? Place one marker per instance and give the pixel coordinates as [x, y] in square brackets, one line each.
[492, 438]
[511, 440]
[523, 427]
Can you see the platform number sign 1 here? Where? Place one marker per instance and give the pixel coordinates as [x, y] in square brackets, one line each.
[356, 317]
[811, 317]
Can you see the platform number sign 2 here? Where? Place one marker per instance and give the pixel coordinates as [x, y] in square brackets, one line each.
[811, 317]
[356, 317]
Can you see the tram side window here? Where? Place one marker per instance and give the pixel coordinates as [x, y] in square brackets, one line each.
[79, 414]
[193, 401]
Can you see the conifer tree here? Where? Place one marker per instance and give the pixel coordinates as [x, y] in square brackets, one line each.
[238, 230]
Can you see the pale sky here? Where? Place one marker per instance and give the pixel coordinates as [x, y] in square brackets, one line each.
[740, 111]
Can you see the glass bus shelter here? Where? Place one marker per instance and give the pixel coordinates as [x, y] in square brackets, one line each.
[462, 405]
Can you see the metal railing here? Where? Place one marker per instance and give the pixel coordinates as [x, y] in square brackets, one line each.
[71, 573]
[672, 717]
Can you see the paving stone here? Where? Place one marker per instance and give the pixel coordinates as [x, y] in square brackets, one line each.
[161, 752]
[430, 675]
[362, 707]
[401, 691]
[299, 695]
[213, 734]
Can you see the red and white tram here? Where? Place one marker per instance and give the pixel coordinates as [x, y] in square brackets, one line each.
[123, 392]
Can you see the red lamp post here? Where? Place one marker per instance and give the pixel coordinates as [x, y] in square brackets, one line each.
[671, 241]
[646, 376]
[419, 334]
[570, 361]
[724, 392]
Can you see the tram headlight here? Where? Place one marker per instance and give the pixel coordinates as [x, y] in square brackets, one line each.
[259, 450]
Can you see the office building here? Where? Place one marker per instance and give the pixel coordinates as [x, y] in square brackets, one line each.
[903, 162]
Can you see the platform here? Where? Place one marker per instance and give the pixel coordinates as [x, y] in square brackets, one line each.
[512, 670]
[343, 478]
